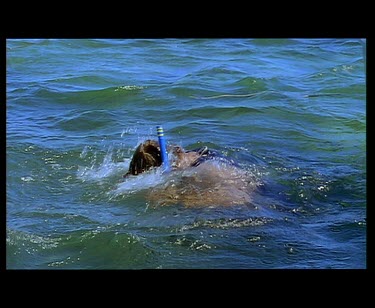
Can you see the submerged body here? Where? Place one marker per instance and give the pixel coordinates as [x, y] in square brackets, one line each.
[209, 184]
[199, 177]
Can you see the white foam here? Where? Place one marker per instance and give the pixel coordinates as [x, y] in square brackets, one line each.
[140, 182]
[105, 169]
[27, 178]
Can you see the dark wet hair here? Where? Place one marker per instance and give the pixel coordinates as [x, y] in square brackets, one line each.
[146, 156]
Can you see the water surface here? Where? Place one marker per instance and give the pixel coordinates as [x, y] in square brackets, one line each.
[290, 111]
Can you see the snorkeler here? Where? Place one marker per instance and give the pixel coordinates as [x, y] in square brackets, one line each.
[148, 156]
[199, 177]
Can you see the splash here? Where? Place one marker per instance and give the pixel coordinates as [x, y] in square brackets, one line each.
[140, 182]
[105, 169]
[113, 163]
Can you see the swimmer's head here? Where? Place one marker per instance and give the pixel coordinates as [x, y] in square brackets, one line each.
[146, 156]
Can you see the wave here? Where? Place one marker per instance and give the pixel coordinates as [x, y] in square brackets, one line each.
[221, 113]
[226, 223]
[85, 121]
[110, 97]
[105, 247]
[88, 81]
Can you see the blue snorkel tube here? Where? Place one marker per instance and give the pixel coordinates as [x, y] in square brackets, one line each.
[163, 149]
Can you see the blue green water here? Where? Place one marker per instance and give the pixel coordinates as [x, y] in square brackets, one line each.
[290, 111]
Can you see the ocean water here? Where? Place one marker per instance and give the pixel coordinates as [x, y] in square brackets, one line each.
[292, 112]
